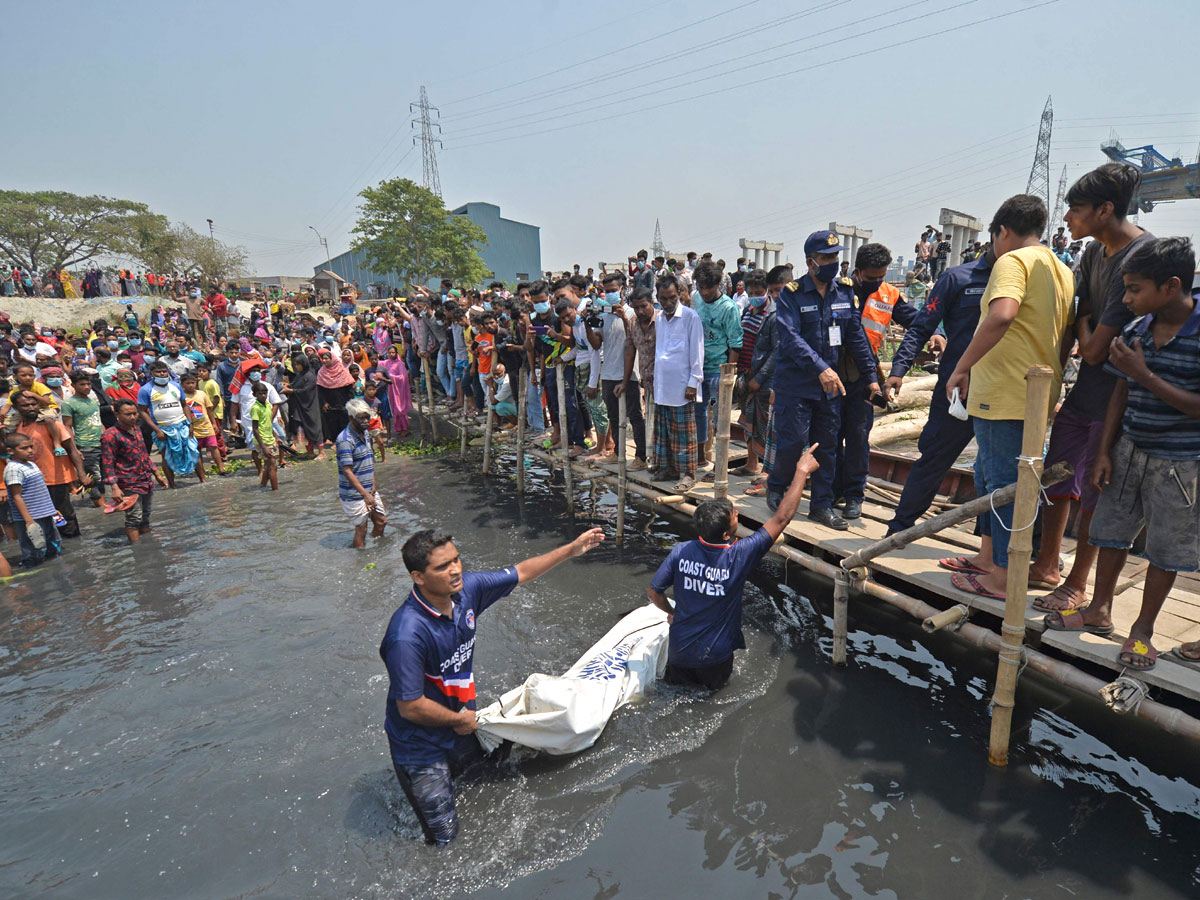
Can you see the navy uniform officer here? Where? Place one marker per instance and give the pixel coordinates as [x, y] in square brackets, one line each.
[954, 304]
[816, 317]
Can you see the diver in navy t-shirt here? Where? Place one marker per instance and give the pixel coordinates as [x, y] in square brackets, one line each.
[428, 649]
[708, 576]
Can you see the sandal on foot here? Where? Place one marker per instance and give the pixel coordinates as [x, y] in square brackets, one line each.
[1179, 657]
[1142, 655]
[1072, 620]
[960, 564]
[1073, 597]
[965, 581]
[742, 470]
[758, 489]
[684, 485]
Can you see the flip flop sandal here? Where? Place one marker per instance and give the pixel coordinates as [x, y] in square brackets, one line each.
[126, 502]
[1066, 594]
[960, 564]
[969, 583]
[1072, 620]
[756, 490]
[1176, 656]
[1042, 585]
[684, 486]
[742, 470]
[1137, 648]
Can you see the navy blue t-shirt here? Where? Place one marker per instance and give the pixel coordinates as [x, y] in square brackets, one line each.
[708, 580]
[429, 655]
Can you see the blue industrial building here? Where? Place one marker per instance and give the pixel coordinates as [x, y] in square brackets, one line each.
[514, 249]
[513, 252]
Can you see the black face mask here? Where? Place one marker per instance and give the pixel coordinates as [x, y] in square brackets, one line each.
[865, 289]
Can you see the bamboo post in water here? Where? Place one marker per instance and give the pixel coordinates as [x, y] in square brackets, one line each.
[564, 435]
[429, 396]
[520, 434]
[622, 479]
[462, 430]
[649, 398]
[724, 414]
[487, 438]
[841, 610]
[1020, 547]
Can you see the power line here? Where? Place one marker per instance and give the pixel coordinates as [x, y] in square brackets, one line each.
[762, 80]
[722, 41]
[607, 54]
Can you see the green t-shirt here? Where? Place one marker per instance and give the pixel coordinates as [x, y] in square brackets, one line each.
[722, 325]
[85, 417]
[260, 415]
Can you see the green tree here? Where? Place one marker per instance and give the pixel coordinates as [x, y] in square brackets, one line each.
[52, 229]
[404, 228]
[180, 248]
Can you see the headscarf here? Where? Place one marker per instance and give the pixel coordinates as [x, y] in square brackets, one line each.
[332, 373]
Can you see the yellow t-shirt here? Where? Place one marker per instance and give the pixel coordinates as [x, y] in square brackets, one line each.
[213, 390]
[199, 405]
[1045, 288]
[38, 388]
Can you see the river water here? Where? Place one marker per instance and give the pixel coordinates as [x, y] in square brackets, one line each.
[201, 717]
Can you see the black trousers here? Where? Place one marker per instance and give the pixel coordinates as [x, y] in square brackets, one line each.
[60, 495]
[633, 413]
[711, 677]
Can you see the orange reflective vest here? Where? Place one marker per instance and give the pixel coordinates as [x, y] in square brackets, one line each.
[877, 314]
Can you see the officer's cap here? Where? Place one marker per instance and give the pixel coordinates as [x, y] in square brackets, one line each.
[823, 242]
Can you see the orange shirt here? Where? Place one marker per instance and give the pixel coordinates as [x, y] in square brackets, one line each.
[55, 469]
[483, 355]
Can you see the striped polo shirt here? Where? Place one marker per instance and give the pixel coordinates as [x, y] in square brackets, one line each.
[1155, 426]
[355, 450]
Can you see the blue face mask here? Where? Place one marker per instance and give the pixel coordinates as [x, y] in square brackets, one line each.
[161, 380]
[81, 351]
[487, 305]
[828, 272]
[149, 357]
[541, 308]
[641, 264]
[758, 301]
[612, 298]
[53, 382]
[135, 342]
[256, 376]
[113, 345]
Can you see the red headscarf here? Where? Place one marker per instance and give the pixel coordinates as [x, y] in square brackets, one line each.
[334, 375]
[243, 373]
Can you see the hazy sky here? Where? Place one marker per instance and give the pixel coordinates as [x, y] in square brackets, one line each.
[763, 119]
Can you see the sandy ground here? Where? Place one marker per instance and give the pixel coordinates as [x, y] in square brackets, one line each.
[72, 313]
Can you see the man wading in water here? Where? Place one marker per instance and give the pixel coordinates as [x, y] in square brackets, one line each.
[708, 576]
[428, 650]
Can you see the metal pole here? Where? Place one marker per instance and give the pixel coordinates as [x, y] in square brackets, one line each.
[622, 450]
[429, 396]
[721, 446]
[564, 436]
[1020, 548]
[520, 433]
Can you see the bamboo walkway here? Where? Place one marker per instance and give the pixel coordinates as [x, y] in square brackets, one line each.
[913, 570]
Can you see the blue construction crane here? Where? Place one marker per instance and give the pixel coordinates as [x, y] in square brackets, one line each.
[1163, 180]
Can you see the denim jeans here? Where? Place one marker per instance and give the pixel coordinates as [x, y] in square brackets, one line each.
[999, 443]
[535, 420]
[445, 371]
[31, 555]
[712, 383]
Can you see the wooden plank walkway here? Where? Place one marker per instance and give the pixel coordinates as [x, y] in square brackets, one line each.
[915, 571]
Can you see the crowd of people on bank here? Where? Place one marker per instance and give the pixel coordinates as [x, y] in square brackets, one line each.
[82, 411]
[93, 282]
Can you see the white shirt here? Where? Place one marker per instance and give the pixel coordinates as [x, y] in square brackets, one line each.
[584, 354]
[245, 400]
[678, 356]
[612, 366]
[41, 348]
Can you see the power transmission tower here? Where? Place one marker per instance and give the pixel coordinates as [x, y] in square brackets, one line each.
[429, 167]
[657, 246]
[1039, 175]
[1057, 218]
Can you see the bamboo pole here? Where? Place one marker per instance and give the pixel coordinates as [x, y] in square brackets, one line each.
[462, 427]
[564, 436]
[841, 610]
[622, 475]
[962, 513]
[721, 445]
[649, 425]
[520, 434]
[951, 616]
[1020, 548]
[487, 437]
[1169, 719]
[429, 396]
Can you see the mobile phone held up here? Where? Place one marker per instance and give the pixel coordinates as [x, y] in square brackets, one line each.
[879, 399]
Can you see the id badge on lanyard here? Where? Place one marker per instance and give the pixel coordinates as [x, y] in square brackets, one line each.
[835, 335]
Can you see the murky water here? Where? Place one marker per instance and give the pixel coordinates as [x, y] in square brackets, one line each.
[202, 717]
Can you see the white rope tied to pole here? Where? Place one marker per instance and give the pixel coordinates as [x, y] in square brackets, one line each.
[1125, 694]
[1042, 497]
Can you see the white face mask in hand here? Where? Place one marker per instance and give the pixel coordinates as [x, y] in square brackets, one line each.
[956, 407]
